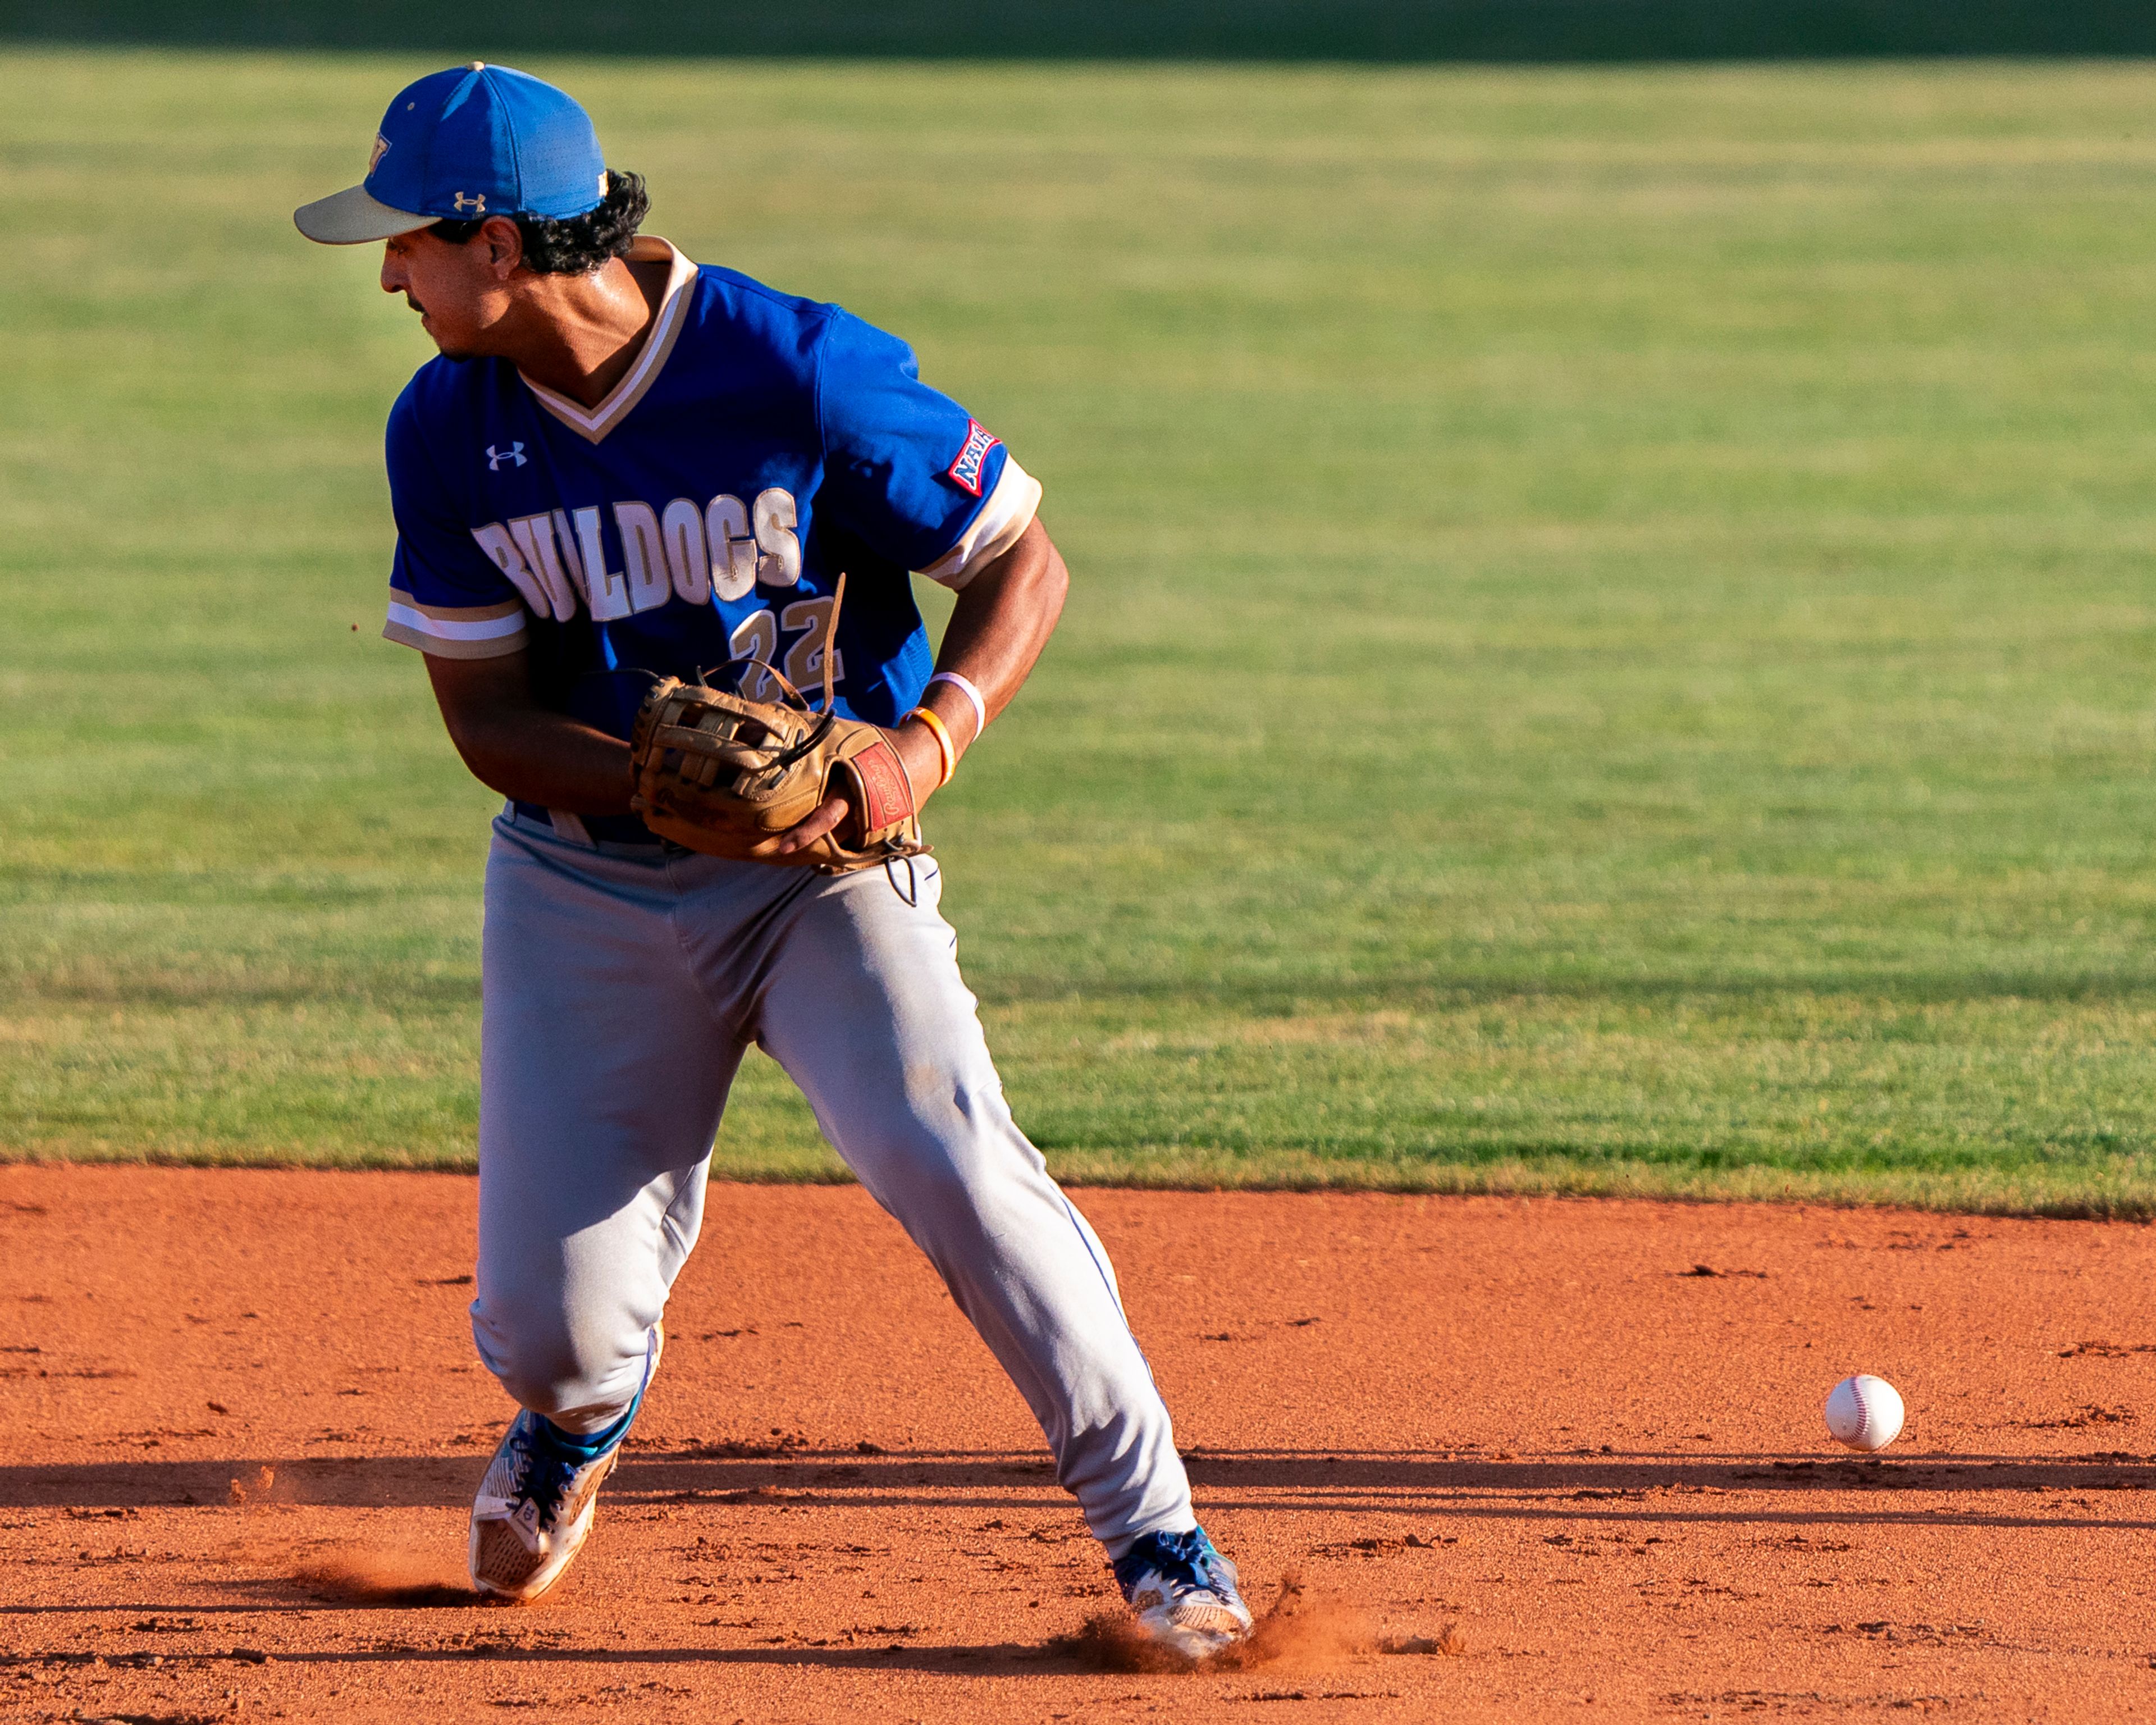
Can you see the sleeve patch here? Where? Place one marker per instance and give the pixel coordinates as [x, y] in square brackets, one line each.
[965, 473]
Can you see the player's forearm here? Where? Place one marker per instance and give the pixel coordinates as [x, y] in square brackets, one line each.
[1004, 617]
[547, 758]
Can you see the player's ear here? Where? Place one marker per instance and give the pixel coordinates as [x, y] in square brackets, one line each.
[505, 246]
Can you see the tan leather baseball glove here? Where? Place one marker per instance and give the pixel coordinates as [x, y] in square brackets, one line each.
[728, 776]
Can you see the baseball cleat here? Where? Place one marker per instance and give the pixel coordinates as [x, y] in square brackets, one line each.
[535, 1507]
[1182, 1592]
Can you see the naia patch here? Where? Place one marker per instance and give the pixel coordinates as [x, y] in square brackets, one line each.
[965, 473]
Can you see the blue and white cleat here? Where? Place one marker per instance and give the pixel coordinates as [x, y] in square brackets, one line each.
[535, 1506]
[1182, 1592]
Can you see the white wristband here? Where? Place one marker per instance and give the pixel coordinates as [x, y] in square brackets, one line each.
[964, 686]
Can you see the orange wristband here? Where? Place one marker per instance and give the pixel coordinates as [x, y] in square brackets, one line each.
[943, 745]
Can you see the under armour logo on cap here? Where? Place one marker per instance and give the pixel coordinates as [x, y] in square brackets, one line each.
[474, 141]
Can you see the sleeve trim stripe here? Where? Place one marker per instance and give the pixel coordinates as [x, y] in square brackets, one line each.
[455, 613]
[995, 527]
[437, 628]
[395, 631]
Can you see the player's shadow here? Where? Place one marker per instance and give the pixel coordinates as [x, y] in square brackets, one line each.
[987, 1659]
[1632, 1487]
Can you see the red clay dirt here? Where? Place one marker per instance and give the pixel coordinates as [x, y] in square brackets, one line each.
[243, 1423]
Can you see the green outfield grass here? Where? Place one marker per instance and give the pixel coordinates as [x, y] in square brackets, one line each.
[1612, 645]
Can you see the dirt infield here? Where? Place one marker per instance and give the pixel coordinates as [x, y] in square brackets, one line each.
[243, 1423]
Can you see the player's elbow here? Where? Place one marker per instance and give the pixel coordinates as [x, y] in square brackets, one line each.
[484, 758]
[1055, 582]
[483, 702]
[474, 734]
[1043, 579]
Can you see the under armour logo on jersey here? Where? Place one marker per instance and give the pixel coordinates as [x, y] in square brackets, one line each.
[476, 203]
[514, 455]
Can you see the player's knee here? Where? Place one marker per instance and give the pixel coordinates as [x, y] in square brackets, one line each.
[964, 1199]
[955, 1140]
[943, 1175]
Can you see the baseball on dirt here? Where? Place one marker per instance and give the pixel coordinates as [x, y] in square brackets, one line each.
[1865, 1412]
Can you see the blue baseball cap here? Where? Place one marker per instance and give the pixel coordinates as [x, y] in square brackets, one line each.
[474, 140]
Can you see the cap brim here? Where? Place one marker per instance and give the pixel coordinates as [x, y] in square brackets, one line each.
[351, 218]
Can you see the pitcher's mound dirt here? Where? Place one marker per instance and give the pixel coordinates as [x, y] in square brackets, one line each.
[1478, 1459]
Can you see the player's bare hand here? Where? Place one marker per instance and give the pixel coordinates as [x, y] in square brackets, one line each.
[797, 838]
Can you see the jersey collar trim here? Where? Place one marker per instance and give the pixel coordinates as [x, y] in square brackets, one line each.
[592, 423]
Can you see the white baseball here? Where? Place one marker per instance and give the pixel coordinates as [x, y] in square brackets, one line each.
[1865, 1412]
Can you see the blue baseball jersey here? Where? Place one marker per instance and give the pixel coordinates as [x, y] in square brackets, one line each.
[761, 445]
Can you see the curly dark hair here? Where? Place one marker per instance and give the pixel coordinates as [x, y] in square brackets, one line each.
[575, 245]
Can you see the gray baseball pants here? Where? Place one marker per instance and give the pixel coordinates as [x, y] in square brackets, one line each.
[622, 985]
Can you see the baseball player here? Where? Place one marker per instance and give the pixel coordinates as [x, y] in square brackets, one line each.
[623, 466]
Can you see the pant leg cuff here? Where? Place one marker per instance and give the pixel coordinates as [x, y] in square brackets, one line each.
[1117, 1545]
